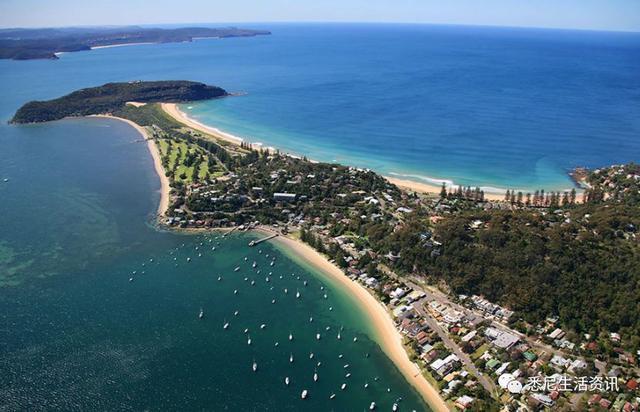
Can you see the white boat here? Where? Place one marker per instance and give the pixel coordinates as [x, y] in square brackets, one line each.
[263, 326]
[271, 264]
[226, 325]
[235, 291]
[315, 377]
[333, 395]
[346, 366]
[286, 291]
[219, 278]
[311, 355]
[201, 314]
[277, 343]
[372, 406]
[348, 375]
[236, 269]
[394, 408]
[355, 339]
[130, 279]
[254, 366]
[290, 337]
[339, 337]
[317, 336]
[254, 264]
[235, 313]
[291, 358]
[366, 385]
[297, 294]
[286, 381]
[311, 319]
[188, 259]
[253, 282]
[266, 279]
[248, 341]
[325, 296]
[343, 387]
[330, 308]
[304, 283]
[246, 330]
[304, 394]
[273, 301]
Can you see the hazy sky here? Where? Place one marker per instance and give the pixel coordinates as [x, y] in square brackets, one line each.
[581, 14]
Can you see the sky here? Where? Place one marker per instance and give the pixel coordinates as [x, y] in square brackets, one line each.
[572, 14]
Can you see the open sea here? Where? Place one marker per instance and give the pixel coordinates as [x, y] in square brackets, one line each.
[475, 106]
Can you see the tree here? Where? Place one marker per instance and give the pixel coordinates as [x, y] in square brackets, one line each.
[443, 191]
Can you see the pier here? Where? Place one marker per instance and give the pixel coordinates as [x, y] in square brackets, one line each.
[264, 239]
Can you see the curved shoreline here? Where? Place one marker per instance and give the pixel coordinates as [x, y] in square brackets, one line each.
[174, 111]
[165, 188]
[389, 338]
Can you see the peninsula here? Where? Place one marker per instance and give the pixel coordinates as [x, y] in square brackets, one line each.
[478, 288]
[45, 43]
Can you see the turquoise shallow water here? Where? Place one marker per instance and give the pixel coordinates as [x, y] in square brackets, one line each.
[77, 334]
[494, 107]
[478, 106]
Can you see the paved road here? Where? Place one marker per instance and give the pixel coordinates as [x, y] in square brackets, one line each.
[487, 383]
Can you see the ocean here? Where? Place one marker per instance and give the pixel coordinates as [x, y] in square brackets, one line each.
[475, 106]
[100, 310]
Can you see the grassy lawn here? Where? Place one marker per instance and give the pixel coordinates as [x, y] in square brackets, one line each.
[482, 349]
[175, 155]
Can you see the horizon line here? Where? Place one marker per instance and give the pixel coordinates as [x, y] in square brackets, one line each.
[227, 24]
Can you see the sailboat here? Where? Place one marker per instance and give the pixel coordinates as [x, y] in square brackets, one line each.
[291, 358]
[286, 381]
[201, 314]
[304, 394]
[297, 294]
[254, 366]
[372, 406]
[315, 376]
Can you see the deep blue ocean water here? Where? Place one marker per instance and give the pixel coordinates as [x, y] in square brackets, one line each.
[494, 107]
[99, 309]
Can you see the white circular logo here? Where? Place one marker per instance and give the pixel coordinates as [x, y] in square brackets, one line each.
[514, 386]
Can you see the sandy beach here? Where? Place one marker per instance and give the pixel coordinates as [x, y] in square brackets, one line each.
[165, 188]
[172, 110]
[431, 189]
[108, 46]
[389, 338]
